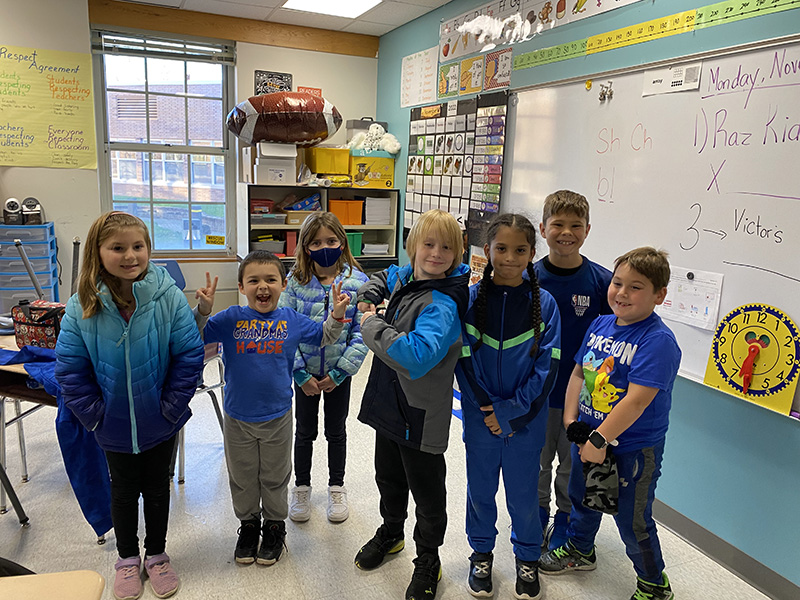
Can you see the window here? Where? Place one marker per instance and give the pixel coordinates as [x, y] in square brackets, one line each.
[169, 154]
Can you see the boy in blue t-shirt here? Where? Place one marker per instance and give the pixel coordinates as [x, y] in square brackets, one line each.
[259, 342]
[579, 287]
[622, 387]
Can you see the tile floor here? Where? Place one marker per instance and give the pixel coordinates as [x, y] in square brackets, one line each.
[319, 564]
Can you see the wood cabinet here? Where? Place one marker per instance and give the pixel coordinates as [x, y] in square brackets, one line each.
[365, 236]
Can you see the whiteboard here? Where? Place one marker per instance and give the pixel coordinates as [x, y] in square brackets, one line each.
[710, 175]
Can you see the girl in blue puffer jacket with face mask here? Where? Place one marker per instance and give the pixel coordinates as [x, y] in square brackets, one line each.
[323, 258]
[128, 360]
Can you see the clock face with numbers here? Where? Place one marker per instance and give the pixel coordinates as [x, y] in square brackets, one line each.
[756, 354]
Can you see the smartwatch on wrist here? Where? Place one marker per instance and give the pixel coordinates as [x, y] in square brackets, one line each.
[597, 440]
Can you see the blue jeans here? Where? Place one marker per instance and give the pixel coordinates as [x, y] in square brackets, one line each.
[638, 473]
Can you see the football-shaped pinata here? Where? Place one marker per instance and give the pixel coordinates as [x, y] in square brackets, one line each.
[286, 117]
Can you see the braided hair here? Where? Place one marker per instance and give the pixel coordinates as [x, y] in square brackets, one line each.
[520, 223]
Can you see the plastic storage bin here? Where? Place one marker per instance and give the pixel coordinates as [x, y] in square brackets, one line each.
[32, 249]
[11, 296]
[274, 246]
[354, 241]
[26, 233]
[347, 211]
[21, 280]
[15, 265]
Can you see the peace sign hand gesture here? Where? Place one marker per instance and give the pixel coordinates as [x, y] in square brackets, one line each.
[205, 296]
[340, 301]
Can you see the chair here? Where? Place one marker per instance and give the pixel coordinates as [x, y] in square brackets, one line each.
[211, 355]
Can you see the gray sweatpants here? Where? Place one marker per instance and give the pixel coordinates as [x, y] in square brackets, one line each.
[555, 443]
[259, 458]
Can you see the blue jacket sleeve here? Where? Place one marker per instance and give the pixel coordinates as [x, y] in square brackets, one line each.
[415, 353]
[186, 360]
[542, 377]
[75, 372]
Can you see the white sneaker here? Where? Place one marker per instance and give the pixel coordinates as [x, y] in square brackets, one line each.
[300, 505]
[337, 504]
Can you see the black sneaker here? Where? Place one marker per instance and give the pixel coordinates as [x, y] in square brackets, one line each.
[527, 586]
[479, 583]
[247, 544]
[272, 542]
[425, 580]
[651, 591]
[566, 559]
[374, 551]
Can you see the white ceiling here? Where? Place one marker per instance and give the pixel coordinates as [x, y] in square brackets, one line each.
[387, 15]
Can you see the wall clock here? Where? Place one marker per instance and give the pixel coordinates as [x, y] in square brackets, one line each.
[755, 354]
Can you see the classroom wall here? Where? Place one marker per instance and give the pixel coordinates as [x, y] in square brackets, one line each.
[730, 466]
[71, 197]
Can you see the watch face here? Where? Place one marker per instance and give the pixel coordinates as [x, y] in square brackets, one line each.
[755, 354]
[597, 440]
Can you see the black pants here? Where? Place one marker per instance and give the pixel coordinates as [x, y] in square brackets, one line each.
[145, 474]
[306, 411]
[399, 469]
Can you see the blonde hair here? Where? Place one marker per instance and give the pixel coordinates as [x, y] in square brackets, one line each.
[441, 224]
[304, 267]
[92, 270]
[565, 201]
[648, 261]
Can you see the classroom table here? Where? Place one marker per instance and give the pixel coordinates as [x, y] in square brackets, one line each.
[68, 585]
[14, 388]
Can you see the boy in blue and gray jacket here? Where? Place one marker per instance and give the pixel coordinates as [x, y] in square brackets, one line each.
[409, 396]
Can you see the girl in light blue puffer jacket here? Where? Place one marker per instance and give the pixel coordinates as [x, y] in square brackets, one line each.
[129, 356]
[323, 257]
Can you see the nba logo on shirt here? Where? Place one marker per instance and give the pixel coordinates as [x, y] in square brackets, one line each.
[580, 304]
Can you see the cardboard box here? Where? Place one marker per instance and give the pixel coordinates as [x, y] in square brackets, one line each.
[372, 169]
[328, 161]
[296, 217]
[276, 164]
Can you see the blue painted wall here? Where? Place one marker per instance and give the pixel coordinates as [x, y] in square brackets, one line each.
[731, 467]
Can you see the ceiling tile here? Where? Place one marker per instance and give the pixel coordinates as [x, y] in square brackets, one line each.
[229, 9]
[366, 28]
[394, 13]
[296, 17]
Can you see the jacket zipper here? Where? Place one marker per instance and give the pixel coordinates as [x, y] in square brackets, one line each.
[500, 343]
[126, 339]
[322, 370]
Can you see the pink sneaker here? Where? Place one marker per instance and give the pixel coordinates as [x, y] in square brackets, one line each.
[163, 578]
[128, 579]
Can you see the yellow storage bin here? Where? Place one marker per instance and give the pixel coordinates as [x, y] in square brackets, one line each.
[330, 161]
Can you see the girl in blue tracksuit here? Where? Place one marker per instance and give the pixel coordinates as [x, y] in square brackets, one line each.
[510, 361]
[129, 356]
[323, 258]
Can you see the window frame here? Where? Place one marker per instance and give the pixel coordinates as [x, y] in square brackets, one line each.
[147, 44]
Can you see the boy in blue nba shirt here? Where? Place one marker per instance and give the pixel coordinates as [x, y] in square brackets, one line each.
[259, 342]
[579, 287]
[621, 387]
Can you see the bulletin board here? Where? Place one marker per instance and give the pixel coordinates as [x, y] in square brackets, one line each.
[709, 174]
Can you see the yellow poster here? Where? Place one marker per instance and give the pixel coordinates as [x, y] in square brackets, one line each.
[46, 109]
[471, 75]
